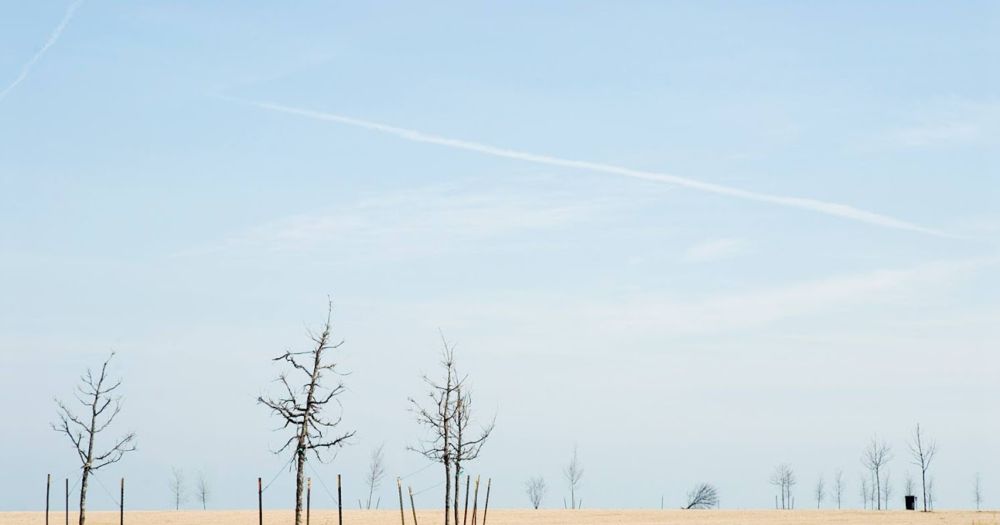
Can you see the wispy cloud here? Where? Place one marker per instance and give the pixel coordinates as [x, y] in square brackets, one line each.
[53, 38]
[843, 211]
[948, 123]
[714, 250]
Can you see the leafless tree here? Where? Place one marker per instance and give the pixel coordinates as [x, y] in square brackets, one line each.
[977, 491]
[865, 492]
[574, 474]
[922, 452]
[376, 471]
[838, 487]
[910, 487]
[535, 487]
[177, 487]
[887, 489]
[203, 490]
[820, 491]
[439, 418]
[302, 407]
[876, 455]
[703, 496]
[784, 479]
[97, 394]
[465, 446]
[930, 493]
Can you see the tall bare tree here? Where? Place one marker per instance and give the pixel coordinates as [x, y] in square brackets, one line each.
[865, 491]
[574, 474]
[203, 491]
[977, 491]
[875, 456]
[886, 489]
[439, 418]
[819, 492]
[535, 488]
[466, 446]
[922, 452]
[102, 406]
[302, 406]
[177, 487]
[376, 471]
[838, 488]
[783, 477]
[703, 496]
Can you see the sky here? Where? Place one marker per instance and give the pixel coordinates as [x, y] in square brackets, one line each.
[693, 239]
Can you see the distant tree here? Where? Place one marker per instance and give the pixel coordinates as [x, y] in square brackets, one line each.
[535, 488]
[703, 496]
[177, 487]
[574, 474]
[910, 487]
[838, 487]
[203, 491]
[819, 491]
[977, 491]
[922, 452]
[865, 491]
[302, 406]
[876, 455]
[375, 474]
[96, 394]
[930, 493]
[887, 489]
[783, 477]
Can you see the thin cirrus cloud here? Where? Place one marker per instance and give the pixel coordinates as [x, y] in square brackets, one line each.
[834, 209]
[53, 38]
[715, 250]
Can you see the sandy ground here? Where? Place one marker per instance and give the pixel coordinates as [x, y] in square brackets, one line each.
[528, 517]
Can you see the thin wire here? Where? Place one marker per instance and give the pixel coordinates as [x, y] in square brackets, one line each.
[419, 492]
[323, 483]
[275, 478]
[418, 471]
[108, 492]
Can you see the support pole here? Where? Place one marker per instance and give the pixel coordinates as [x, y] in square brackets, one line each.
[402, 515]
[309, 491]
[465, 515]
[260, 502]
[475, 501]
[486, 506]
[48, 488]
[67, 501]
[121, 505]
[340, 507]
[413, 507]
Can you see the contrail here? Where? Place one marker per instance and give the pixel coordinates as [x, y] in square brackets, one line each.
[53, 38]
[828, 208]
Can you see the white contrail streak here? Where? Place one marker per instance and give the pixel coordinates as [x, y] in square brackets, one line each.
[53, 38]
[829, 208]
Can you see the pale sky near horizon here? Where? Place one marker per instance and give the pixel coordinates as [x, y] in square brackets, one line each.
[695, 240]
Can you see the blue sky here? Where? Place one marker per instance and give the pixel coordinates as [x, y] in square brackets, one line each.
[151, 205]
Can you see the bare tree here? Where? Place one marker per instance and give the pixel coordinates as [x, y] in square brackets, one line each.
[302, 407]
[203, 490]
[887, 489]
[96, 394]
[865, 492]
[376, 471]
[703, 496]
[977, 491]
[535, 488]
[930, 493]
[910, 487]
[922, 452]
[876, 455]
[784, 479]
[465, 447]
[819, 491]
[439, 419]
[574, 474]
[838, 487]
[177, 487]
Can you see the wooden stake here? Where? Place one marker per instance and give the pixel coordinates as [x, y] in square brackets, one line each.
[340, 507]
[475, 501]
[402, 515]
[413, 508]
[465, 515]
[309, 491]
[260, 502]
[67, 501]
[121, 505]
[48, 487]
[486, 506]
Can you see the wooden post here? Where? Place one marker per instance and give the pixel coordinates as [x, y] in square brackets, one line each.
[67, 501]
[309, 491]
[402, 515]
[48, 488]
[340, 507]
[413, 507]
[260, 502]
[486, 506]
[465, 515]
[475, 501]
[121, 505]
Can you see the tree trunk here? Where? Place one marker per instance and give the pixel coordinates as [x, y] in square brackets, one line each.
[458, 486]
[83, 494]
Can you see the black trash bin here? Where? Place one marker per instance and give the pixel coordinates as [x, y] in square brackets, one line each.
[911, 503]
